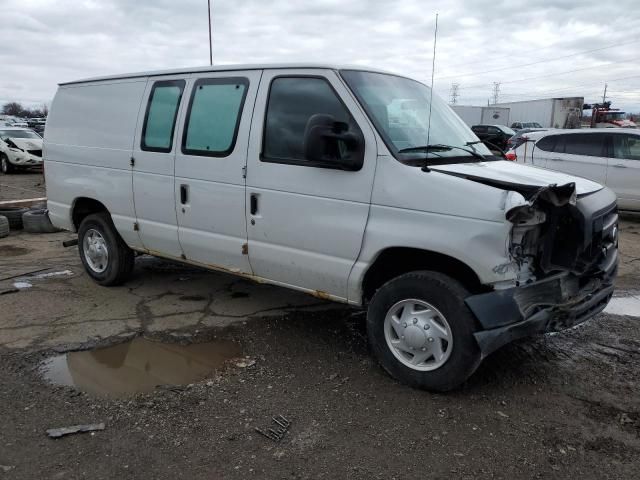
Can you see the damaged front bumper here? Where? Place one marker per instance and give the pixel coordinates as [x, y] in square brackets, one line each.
[547, 306]
[580, 254]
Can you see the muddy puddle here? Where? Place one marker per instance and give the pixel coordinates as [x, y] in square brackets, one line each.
[137, 366]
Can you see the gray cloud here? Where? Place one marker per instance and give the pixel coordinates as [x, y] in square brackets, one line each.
[47, 42]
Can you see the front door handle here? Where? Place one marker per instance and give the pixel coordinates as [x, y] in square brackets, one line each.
[254, 204]
[556, 159]
[184, 194]
[620, 165]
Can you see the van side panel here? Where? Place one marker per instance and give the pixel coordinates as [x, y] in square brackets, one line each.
[87, 150]
[467, 222]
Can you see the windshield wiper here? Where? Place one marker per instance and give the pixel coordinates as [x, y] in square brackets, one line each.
[439, 147]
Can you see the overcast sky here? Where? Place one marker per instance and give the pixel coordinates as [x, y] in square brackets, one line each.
[575, 46]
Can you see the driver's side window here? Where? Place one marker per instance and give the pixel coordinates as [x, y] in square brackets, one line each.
[295, 105]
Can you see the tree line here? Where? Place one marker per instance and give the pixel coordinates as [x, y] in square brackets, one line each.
[17, 110]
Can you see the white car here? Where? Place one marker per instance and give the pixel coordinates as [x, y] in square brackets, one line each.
[19, 148]
[310, 177]
[608, 156]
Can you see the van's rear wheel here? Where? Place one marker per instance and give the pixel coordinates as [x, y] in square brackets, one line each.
[105, 256]
[422, 332]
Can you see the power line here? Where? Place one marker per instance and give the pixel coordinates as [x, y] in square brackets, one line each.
[537, 50]
[572, 87]
[554, 74]
[510, 67]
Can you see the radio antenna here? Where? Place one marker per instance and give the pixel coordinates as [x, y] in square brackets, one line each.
[433, 67]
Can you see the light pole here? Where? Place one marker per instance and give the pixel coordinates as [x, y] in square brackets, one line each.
[210, 44]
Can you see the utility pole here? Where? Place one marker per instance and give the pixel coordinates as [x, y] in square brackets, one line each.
[604, 95]
[210, 44]
[454, 93]
[496, 92]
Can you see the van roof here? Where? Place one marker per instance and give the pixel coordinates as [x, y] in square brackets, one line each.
[228, 68]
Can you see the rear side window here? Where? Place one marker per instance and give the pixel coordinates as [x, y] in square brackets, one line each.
[213, 118]
[160, 117]
[591, 145]
[626, 146]
[293, 101]
[478, 129]
[547, 143]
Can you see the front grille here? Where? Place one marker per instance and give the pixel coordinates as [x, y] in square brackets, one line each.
[604, 243]
[37, 153]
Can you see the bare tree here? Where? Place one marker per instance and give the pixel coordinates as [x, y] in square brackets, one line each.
[13, 108]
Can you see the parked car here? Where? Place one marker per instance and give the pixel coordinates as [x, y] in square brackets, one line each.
[19, 148]
[317, 178]
[37, 125]
[520, 125]
[494, 135]
[517, 139]
[608, 156]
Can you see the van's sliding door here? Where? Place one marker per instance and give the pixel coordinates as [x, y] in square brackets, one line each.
[210, 168]
[153, 165]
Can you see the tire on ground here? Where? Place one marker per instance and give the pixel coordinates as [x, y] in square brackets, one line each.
[14, 215]
[37, 221]
[446, 295]
[4, 227]
[120, 257]
[5, 164]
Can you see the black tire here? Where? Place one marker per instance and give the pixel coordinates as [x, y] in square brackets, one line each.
[4, 227]
[14, 215]
[5, 165]
[446, 295]
[120, 257]
[37, 221]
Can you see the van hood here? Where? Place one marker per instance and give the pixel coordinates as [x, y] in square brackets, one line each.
[509, 175]
[27, 143]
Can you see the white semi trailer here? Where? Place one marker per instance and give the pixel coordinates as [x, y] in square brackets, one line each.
[548, 112]
[491, 115]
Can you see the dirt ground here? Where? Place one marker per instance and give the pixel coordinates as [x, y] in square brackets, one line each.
[556, 406]
[28, 184]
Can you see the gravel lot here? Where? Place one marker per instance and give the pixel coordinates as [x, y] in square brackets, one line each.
[558, 406]
[29, 184]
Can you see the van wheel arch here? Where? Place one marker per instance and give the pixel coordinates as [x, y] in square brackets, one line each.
[395, 261]
[84, 206]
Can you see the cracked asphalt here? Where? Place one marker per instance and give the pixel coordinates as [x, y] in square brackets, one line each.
[556, 406]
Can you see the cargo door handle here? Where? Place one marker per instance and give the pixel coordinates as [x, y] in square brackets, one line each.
[620, 165]
[254, 204]
[184, 194]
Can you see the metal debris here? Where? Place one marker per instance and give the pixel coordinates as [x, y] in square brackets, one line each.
[61, 432]
[245, 363]
[277, 434]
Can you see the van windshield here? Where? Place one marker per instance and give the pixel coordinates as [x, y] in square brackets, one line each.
[399, 109]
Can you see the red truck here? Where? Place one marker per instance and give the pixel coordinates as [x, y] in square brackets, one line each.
[603, 116]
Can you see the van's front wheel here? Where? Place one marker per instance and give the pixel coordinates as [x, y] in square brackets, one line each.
[422, 332]
[105, 256]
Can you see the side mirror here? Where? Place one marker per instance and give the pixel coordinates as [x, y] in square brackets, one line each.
[330, 143]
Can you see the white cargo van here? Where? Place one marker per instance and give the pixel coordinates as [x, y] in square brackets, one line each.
[299, 176]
